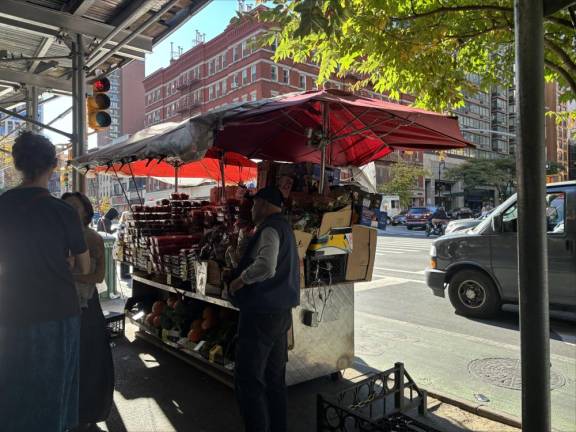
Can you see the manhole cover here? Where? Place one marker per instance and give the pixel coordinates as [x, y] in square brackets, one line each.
[505, 372]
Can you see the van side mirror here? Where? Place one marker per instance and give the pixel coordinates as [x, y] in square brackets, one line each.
[497, 223]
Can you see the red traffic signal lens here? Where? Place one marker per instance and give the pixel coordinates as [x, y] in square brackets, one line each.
[101, 85]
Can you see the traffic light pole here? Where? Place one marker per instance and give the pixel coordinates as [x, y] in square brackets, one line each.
[79, 144]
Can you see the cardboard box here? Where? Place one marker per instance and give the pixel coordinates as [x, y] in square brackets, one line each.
[337, 219]
[214, 276]
[303, 240]
[208, 278]
[361, 261]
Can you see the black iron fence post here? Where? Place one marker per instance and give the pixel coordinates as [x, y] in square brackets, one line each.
[532, 247]
[399, 383]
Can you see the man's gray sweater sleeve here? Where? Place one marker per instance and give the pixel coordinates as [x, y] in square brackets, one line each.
[265, 256]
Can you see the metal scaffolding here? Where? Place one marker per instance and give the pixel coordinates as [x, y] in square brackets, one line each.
[59, 45]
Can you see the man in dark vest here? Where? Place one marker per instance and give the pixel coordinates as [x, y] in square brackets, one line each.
[265, 290]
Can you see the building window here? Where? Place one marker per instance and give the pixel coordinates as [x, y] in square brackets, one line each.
[253, 96]
[210, 93]
[245, 98]
[245, 76]
[224, 89]
[253, 73]
[286, 76]
[245, 51]
[218, 89]
[235, 81]
[274, 73]
[302, 82]
[235, 54]
[223, 60]
[211, 67]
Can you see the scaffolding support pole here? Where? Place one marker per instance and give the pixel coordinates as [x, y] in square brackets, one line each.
[532, 230]
[79, 146]
[32, 107]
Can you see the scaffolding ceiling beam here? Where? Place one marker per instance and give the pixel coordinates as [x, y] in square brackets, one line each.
[41, 52]
[78, 7]
[43, 18]
[33, 79]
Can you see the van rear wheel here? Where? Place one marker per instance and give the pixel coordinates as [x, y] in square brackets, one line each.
[473, 294]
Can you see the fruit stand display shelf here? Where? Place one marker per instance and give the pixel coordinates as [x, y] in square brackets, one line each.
[216, 371]
[140, 277]
[321, 341]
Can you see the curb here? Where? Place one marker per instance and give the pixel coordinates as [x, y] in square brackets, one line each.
[480, 410]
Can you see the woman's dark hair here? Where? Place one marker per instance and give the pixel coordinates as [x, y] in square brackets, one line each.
[88, 209]
[33, 155]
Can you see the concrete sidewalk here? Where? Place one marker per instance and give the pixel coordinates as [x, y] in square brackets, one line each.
[158, 393]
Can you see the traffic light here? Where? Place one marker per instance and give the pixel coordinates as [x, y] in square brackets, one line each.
[64, 180]
[97, 104]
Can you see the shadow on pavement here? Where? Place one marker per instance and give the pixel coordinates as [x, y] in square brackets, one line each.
[509, 319]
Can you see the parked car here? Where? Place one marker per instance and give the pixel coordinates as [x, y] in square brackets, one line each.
[479, 268]
[464, 224]
[417, 217]
[399, 219]
[462, 213]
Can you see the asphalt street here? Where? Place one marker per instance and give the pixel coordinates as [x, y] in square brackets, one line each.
[398, 319]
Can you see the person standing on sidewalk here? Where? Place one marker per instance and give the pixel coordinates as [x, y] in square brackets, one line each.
[266, 288]
[96, 364]
[41, 238]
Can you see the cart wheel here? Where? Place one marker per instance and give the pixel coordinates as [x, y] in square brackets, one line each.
[336, 376]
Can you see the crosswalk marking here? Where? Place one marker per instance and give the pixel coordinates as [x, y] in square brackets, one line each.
[386, 269]
[396, 246]
[401, 248]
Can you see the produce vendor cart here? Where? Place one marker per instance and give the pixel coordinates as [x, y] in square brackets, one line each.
[183, 251]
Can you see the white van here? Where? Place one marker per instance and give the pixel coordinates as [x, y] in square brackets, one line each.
[391, 205]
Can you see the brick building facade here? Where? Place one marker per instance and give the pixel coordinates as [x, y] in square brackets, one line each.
[227, 69]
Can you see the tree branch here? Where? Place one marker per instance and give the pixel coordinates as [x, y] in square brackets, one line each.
[560, 21]
[480, 32]
[565, 74]
[444, 9]
[562, 54]
[455, 9]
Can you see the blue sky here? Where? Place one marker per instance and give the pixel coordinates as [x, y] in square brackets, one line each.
[212, 20]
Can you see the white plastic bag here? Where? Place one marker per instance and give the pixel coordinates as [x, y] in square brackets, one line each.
[102, 287]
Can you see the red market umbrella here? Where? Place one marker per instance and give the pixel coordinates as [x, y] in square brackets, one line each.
[355, 130]
[237, 169]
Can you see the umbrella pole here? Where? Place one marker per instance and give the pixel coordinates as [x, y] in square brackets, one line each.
[322, 169]
[176, 172]
[323, 146]
[222, 170]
